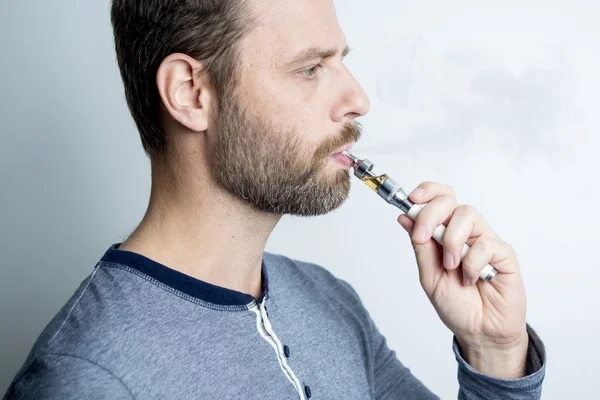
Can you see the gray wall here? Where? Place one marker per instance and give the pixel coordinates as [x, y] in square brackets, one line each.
[498, 99]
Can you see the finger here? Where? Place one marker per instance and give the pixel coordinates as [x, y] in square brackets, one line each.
[488, 250]
[427, 191]
[407, 223]
[465, 225]
[435, 213]
[428, 258]
[480, 225]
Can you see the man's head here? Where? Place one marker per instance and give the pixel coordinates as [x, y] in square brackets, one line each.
[261, 83]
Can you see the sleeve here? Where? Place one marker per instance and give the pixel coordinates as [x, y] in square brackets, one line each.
[475, 385]
[61, 376]
[392, 380]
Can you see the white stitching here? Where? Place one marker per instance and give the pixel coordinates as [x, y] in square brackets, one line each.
[96, 268]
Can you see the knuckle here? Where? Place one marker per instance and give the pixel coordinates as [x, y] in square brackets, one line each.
[432, 186]
[426, 186]
[429, 183]
[511, 250]
[485, 243]
[437, 188]
[465, 209]
[448, 198]
[450, 203]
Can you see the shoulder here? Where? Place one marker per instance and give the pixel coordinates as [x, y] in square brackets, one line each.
[101, 314]
[309, 273]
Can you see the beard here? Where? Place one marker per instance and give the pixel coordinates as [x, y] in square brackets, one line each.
[270, 168]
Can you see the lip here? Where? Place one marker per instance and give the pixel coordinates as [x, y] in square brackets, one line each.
[344, 148]
[341, 158]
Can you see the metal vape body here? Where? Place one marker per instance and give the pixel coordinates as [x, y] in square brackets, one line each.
[387, 188]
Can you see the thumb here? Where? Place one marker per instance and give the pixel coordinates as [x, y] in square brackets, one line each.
[428, 255]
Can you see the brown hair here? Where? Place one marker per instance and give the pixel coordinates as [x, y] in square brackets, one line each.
[147, 31]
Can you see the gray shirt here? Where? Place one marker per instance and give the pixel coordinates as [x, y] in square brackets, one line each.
[138, 329]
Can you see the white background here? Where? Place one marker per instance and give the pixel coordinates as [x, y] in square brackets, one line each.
[496, 98]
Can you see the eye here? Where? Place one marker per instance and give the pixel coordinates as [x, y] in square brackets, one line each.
[310, 73]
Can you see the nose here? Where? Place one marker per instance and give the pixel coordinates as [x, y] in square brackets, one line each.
[352, 101]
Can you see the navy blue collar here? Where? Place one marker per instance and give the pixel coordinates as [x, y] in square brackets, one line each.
[182, 282]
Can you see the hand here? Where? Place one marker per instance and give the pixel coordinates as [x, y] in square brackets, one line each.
[487, 318]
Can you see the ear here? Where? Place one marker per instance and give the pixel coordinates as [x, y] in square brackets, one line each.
[186, 94]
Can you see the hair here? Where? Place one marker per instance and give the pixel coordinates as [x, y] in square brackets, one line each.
[147, 31]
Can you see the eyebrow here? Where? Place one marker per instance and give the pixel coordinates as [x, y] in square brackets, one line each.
[314, 53]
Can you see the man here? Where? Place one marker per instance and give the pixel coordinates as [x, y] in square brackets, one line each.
[243, 108]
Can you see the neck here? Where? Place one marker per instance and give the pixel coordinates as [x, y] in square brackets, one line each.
[195, 227]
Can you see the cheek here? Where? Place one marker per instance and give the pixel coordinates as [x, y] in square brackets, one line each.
[287, 107]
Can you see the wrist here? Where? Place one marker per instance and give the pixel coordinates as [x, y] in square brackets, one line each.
[505, 360]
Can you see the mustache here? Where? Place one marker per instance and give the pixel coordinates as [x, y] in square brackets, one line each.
[351, 133]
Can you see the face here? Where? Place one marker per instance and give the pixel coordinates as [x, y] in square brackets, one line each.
[294, 108]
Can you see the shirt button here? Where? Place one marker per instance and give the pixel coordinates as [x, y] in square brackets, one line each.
[286, 351]
[307, 390]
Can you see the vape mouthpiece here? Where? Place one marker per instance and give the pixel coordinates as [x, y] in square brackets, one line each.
[351, 157]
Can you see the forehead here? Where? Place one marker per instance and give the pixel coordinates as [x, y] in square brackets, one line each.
[286, 27]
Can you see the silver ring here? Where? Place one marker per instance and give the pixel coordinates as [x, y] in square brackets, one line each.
[491, 274]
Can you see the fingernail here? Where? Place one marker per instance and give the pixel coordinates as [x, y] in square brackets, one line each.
[420, 233]
[466, 281]
[401, 224]
[448, 260]
[416, 193]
